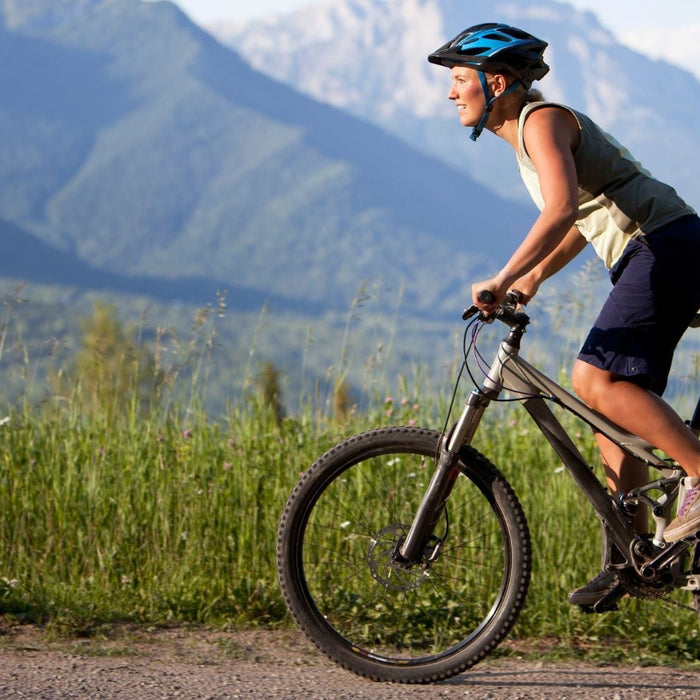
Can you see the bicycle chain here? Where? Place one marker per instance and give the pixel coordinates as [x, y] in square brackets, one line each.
[651, 593]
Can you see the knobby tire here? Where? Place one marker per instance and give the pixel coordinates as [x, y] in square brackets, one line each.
[340, 527]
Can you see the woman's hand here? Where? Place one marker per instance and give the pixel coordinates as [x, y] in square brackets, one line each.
[526, 287]
[496, 286]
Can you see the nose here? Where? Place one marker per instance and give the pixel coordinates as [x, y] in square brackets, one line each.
[452, 94]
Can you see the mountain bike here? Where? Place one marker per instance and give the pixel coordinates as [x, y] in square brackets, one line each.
[404, 554]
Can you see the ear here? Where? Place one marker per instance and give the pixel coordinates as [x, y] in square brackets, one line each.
[499, 84]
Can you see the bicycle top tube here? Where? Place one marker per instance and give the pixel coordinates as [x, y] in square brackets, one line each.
[516, 319]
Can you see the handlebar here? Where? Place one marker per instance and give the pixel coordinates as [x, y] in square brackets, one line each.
[507, 308]
[508, 313]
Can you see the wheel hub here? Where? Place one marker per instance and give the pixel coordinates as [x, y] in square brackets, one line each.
[387, 569]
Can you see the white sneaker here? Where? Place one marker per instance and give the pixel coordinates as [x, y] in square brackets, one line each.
[687, 522]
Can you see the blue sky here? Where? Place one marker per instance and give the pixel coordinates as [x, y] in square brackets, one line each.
[673, 33]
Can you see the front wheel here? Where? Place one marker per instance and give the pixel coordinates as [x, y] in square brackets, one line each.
[356, 600]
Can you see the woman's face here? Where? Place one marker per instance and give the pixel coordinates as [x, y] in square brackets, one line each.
[467, 94]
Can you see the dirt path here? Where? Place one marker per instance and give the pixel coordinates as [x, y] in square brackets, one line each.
[280, 665]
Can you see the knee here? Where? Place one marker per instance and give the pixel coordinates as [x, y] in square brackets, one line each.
[587, 382]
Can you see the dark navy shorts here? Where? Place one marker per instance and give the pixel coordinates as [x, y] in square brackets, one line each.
[655, 294]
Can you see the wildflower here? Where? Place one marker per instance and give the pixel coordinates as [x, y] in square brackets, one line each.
[5, 420]
[186, 434]
[388, 399]
[227, 466]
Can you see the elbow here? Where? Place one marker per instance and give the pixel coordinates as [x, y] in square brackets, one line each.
[564, 216]
[568, 215]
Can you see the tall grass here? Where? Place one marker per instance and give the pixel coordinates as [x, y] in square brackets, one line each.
[165, 515]
[158, 520]
[142, 520]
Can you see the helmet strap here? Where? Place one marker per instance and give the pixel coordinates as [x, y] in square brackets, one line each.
[489, 99]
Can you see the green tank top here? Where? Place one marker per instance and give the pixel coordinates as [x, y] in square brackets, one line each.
[618, 199]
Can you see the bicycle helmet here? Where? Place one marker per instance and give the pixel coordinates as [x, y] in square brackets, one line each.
[494, 47]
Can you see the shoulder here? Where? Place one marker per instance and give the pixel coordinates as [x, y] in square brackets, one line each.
[549, 113]
[549, 122]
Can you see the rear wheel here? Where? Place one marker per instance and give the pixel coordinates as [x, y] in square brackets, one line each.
[358, 603]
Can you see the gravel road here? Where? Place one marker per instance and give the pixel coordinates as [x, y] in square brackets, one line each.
[264, 665]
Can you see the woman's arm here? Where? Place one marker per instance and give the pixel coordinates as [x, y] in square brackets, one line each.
[571, 245]
[551, 134]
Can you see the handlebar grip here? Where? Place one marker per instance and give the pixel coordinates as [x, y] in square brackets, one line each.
[508, 310]
[485, 297]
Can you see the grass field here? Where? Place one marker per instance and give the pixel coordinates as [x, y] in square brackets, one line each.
[123, 502]
[165, 518]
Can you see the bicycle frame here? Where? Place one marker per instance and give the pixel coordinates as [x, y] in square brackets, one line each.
[622, 546]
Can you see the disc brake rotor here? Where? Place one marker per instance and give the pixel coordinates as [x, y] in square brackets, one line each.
[384, 567]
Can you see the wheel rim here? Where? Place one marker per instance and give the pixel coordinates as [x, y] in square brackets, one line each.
[384, 612]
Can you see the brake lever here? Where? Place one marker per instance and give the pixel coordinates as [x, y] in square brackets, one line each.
[469, 312]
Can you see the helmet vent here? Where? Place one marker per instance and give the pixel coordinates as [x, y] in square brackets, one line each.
[495, 47]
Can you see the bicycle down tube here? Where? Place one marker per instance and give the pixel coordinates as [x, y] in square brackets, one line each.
[515, 375]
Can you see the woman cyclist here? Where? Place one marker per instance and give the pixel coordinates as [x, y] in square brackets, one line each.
[590, 190]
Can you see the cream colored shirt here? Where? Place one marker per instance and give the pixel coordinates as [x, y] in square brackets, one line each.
[618, 199]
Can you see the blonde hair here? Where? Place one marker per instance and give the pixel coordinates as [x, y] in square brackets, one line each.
[533, 95]
[524, 91]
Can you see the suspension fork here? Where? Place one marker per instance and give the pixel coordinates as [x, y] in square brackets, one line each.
[446, 472]
[443, 478]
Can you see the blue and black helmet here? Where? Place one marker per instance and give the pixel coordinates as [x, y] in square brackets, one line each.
[493, 47]
[490, 48]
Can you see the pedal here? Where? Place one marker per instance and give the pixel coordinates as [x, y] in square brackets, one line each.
[608, 602]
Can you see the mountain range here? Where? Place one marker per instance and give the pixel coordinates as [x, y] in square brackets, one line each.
[369, 57]
[140, 151]
[307, 158]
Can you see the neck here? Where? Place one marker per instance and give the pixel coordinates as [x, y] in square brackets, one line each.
[504, 122]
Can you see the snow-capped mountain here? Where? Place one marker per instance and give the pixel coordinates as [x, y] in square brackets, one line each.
[369, 57]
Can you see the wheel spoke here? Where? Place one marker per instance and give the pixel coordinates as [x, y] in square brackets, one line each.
[377, 615]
